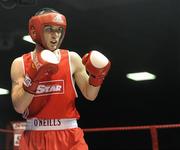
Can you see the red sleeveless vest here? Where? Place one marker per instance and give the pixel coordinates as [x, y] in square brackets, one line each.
[56, 94]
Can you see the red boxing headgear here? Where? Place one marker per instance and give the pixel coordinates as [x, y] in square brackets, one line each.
[38, 22]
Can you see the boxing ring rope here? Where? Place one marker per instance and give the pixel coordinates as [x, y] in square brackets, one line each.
[6, 131]
[153, 131]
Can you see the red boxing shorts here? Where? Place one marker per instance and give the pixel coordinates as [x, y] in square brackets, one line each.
[53, 138]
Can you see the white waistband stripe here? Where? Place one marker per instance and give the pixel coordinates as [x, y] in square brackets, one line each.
[51, 124]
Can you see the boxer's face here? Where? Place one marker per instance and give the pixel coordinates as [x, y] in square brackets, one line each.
[52, 35]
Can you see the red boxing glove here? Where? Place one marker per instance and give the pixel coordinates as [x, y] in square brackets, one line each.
[46, 63]
[97, 65]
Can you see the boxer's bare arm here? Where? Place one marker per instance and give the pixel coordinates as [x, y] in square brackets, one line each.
[82, 78]
[20, 98]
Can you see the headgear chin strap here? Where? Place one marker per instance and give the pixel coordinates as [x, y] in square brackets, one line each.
[38, 22]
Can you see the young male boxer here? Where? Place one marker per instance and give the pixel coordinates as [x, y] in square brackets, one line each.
[43, 86]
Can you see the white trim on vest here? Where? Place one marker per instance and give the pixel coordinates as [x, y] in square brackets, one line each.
[72, 79]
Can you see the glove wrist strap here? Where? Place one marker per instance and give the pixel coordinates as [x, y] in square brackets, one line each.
[95, 81]
[29, 85]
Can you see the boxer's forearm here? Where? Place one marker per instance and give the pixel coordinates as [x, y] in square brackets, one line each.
[20, 99]
[92, 92]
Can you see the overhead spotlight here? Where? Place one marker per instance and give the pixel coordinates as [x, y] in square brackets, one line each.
[4, 91]
[28, 39]
[141, 76]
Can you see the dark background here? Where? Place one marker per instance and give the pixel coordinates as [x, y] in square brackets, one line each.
[136, 35]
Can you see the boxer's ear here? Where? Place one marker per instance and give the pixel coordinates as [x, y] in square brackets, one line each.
[33, 32]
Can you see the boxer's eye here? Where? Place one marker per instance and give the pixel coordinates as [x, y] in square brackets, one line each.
[48, 29]
[60, 30]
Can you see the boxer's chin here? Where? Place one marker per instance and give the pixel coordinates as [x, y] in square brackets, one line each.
[52, 48]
